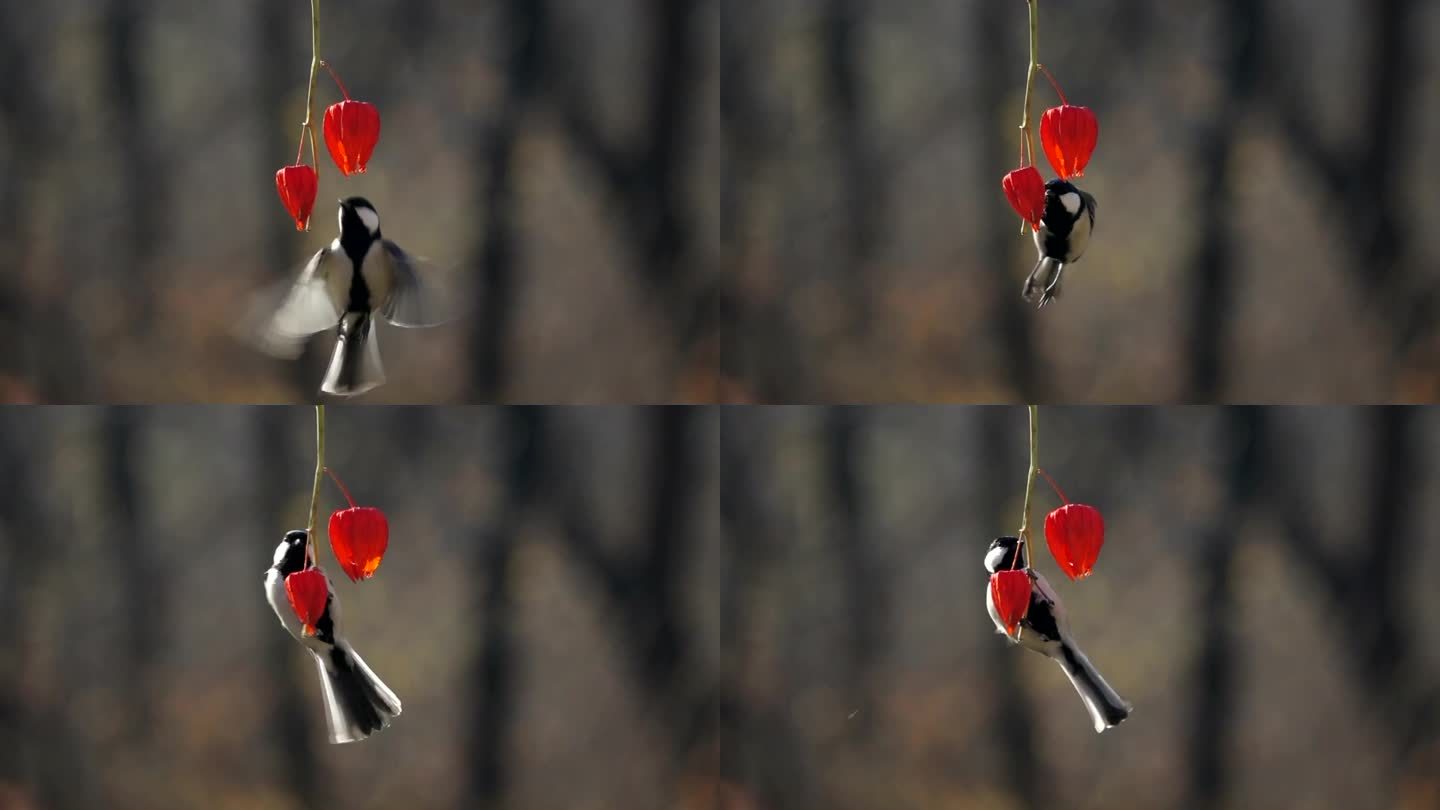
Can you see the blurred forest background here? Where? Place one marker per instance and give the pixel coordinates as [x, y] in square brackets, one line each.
[546, 610]
[1265, 176]
[1263, 597]
[559, 157]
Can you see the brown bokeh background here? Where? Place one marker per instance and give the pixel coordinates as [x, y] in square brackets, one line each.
[1264, 597]
[557, 160]
[1264, 175]
[546, 610]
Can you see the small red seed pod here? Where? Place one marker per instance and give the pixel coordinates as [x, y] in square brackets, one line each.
[1025, 189]
[1068, 134]
[308, 592]
[1010, 591]
[1075, 532]
[297, 186]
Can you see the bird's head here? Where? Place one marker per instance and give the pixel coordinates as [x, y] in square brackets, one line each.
[290, 554]
[358, 218]
[1001, 555]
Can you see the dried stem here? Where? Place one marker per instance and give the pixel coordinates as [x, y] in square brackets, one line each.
[1027, 132]
[1024, 533]
[310, 526]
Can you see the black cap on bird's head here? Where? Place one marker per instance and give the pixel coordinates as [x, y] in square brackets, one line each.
[1059, 186]
[358, 219]
[290, 554]
[1001, 555]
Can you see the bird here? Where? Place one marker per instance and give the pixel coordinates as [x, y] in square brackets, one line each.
[342, 287]
[357, 703]
[1046, 630]
[1061, 239]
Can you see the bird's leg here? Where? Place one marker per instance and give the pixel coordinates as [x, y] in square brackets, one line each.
[1055, 282]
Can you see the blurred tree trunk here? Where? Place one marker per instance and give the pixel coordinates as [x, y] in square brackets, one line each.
[1213, 261]
[762, 758]
[294, 731]
[22, 553]
[494, 672]
[146, 599]
[279, 75]
[524, 24]
[864, 192]
[994, 29]
[19, 116]
[1375, 625]
[1363, 180]
[1214, 691]
[644, 588]
[867, 596]
[42, 755]
[1002, 438]
[758, 339]
[143, 186]
[36, 331]
[647, 179]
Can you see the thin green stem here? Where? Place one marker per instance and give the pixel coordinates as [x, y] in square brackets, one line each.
[319, 479]
[1024, 532]
[1027, 133]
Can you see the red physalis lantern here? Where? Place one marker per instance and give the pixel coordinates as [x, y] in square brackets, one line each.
[358, 536]
[308, 592]
[297, 185]
[1025, 189]
[1074, 533]
[1068, 134]
[352, 129]
[1010, 592]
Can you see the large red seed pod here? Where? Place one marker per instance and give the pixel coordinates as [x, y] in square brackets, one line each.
[1010, 591]
[352, 128]
[297, 186]
[358, 536]
[1025, 189]
[1068, 134]
[308, 592]
[1075, 532]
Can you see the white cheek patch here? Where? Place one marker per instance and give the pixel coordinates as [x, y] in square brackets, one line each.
[372, 219]
[1071, 201]
[993, 558]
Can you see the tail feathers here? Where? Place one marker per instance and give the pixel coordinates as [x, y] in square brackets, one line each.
[1106, 707]
[355, 366]
[1043, 284]
[357, 703]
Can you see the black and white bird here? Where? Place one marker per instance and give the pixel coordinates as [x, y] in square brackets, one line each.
[1046, 630]
[357, 703]
[343, 286]
[1061, 239]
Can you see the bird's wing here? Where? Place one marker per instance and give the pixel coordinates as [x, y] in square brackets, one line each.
[290, 314]
[413, 301]
[1090, 206]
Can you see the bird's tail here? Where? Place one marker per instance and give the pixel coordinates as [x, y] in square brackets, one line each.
[1105, 705]
[1043, 284]
[357, 703]
[355, 366]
